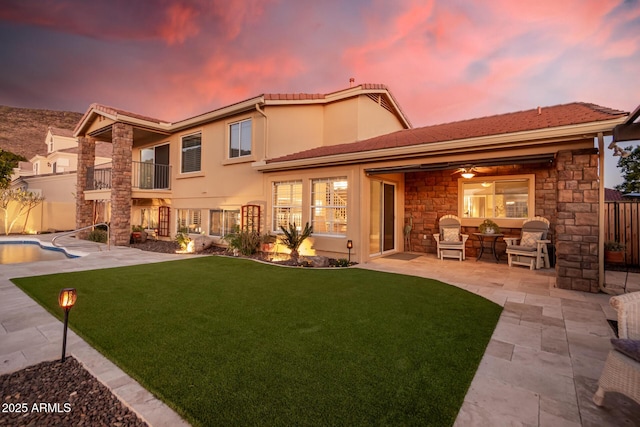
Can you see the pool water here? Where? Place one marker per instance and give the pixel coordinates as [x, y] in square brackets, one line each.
[14, 253]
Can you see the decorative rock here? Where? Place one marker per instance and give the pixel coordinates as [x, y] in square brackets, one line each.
[318, 261]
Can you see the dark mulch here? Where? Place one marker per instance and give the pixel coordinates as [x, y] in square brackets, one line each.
[60, 394]
[171, 248]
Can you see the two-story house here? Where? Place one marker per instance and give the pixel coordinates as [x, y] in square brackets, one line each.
[350, 164]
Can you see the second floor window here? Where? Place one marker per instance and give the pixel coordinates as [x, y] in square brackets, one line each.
[191, 153]
[240, 139]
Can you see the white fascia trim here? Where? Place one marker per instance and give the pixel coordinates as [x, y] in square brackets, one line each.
[525, 138]
[243, 106]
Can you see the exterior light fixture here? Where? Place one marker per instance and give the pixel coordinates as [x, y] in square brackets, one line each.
[468, 175]
[349, 246]
[66, 300]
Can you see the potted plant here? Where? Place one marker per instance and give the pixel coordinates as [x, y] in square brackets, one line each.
[267, 242]
[614, 252]
[489, 227]
[138, 235]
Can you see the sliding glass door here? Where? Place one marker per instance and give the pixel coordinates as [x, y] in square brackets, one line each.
[382, 229]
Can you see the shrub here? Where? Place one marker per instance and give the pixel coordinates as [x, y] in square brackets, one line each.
[246, 242]
[293, 238]
[614, 246]
[183, 240]
[342, 262]
[97, 235]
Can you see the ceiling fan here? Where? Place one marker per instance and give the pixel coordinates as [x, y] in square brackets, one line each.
[468, 172]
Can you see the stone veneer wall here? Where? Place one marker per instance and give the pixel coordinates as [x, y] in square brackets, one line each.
[577, 227]
[122, 139]
[431, 195]
[566, 194]
[86, 159]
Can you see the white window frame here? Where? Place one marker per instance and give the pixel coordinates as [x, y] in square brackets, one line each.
[182, 153]
[224, 217]
[239, 124]
[507, 222]
[192, 220]
[291, 210]
[335, 214]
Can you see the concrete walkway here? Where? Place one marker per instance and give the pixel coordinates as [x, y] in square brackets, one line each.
[540, 369]
[30, 335]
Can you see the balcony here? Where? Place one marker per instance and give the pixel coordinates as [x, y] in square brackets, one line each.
[144, 176]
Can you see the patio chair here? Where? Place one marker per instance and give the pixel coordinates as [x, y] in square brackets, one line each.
[530, 248]
[621, 371]
[450, 242]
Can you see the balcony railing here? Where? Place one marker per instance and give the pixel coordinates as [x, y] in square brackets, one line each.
[144, 176]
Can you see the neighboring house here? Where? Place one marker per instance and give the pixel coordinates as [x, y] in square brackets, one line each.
[612, 195]
[52, 175]
[351, 165]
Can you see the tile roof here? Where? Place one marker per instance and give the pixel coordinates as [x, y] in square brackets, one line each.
[611, 195]
[113, 112]
[61, 132]
[540, 118]
[266, 96]
[117, 111]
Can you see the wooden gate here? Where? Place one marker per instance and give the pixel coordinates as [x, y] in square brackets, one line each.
[621, 224]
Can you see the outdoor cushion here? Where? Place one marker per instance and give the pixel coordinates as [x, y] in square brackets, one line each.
[522, 248]
[530, 238]
[450, 234]
[629, 348]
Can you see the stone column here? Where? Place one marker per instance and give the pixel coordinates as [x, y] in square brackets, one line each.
[577, 221]
[86, 160]
[122, 138]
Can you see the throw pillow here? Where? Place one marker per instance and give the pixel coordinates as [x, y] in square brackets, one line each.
[450, 234]
[529, 238]
[629, 348]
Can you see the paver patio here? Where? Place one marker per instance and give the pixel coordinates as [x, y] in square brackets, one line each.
[540, 368]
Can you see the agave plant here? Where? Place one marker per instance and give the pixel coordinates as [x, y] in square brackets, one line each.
[293, 238]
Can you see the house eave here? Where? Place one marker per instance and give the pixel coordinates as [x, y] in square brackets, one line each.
[241, 107]
[511, 140]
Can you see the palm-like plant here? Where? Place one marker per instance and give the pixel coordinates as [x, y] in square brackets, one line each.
[293, 238]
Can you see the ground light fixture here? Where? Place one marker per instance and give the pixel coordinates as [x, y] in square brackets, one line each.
[66, 300]
[349, 246]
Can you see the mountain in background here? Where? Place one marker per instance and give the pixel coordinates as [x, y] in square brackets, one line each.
[23, 130]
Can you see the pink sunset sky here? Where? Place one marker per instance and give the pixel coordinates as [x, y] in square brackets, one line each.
[443, 60]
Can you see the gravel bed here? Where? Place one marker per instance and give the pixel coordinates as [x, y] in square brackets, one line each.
[60, 394]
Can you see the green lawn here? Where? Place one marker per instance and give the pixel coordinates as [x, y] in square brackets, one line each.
[233, 342]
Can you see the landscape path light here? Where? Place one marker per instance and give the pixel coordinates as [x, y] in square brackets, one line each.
[349, 246]
[66, 300]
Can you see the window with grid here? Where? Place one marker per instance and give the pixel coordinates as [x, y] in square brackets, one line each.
[240, 139]
[287, 204]
[189, 221]
[329, 206]
[223, 222]
[496, 198]
[191, 153]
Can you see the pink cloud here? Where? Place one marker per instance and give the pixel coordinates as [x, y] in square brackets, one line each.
[180, 24]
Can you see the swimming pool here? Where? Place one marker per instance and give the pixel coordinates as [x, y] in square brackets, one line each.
[20, 251]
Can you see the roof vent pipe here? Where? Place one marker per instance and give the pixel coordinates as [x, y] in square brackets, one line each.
[539, 110]
[351, 82]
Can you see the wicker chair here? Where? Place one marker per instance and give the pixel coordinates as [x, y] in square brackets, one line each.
[621, 373]
[531, 250]
[450, 242]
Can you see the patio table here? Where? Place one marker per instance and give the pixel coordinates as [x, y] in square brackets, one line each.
[488, 241]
